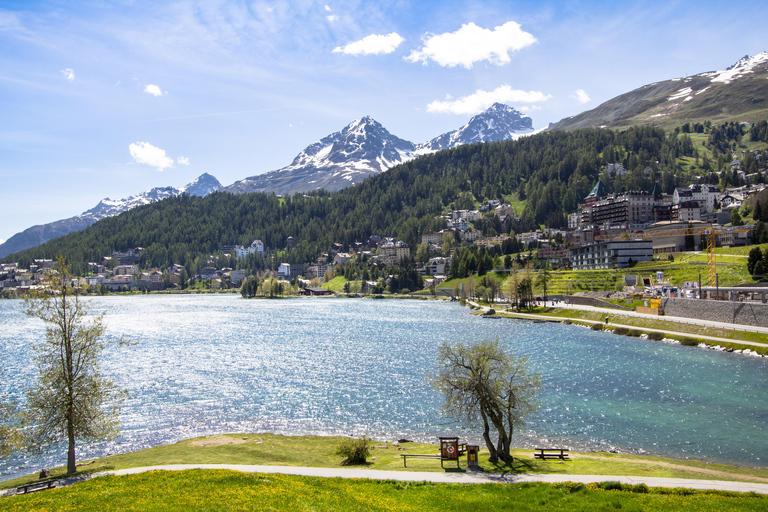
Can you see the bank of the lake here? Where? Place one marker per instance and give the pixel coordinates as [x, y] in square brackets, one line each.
[212, 364]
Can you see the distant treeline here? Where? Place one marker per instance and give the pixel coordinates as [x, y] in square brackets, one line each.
[552, 172]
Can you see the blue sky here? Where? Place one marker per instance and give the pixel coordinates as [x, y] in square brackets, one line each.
[110, 98]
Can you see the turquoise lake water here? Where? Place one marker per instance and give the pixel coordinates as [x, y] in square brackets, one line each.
[210, 364]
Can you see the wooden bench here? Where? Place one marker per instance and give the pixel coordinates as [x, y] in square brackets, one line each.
[36, 486]
[550, 453]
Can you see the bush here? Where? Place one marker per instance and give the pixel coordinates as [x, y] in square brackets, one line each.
[634, 333]
[689, 342]
[354, 451]
[597, 327]
[655, 336]
[620, 330]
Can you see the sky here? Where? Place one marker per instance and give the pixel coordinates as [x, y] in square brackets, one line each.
[110, 98]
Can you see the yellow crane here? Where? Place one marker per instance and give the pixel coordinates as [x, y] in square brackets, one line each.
[710, 232]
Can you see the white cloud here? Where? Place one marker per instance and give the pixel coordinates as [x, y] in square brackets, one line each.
[69, 74]
[581, 96]
[472, 44]
[327, 8]
[373, 44]
[182, 160]
[146, 153]
[332, 18]
[480, 100]
[153, 89]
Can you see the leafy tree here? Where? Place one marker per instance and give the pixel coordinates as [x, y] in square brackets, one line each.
[483, 384]
[543, 278]
[10, 434]
[755, 256]
[70, 398]
[736, 218]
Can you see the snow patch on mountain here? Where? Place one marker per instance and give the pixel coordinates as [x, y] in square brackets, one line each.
[37, 235]
[365, 148]
[744, 66]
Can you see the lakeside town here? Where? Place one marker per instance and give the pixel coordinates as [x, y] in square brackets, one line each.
[609, 231]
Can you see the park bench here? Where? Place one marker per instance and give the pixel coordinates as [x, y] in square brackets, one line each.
[36, 486]
[550, 453]
[450, 450]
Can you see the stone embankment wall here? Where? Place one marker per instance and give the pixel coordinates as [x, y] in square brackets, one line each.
[591, 301]
[745, 313]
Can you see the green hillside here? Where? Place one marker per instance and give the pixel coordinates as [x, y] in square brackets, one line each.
[547, 176]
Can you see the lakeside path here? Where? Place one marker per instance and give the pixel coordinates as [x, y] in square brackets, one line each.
[470, 477]
[616, 312]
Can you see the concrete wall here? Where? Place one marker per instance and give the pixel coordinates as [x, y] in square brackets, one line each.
[745, 313]
[591, 301]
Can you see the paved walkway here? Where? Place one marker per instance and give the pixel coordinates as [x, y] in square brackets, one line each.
[470, 477]
[615, 312]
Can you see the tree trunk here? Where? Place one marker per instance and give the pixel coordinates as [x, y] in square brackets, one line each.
[71, 466]
[487, 437]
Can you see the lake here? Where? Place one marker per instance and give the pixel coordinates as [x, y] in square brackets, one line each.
[204, 364]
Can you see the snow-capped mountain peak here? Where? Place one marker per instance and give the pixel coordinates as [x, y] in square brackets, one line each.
[107, 207]
[498, 122]
[202, 186]
[364, 148]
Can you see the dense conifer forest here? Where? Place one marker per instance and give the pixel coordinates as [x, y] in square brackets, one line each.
[548, 175]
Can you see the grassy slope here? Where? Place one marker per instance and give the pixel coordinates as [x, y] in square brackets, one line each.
[314, 451]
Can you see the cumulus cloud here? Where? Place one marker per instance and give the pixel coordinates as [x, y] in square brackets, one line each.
[480, 100]
[146, 153]
[182, 160]
[581, 96]
[332, 17]
[472, 44]
[153, 89]
[373, 44]
[327, 8]
[69, 74]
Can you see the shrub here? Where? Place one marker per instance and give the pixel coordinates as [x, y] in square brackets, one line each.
[634, 333]
[354, 451]
[597, 327]
[655, 336]
[689, 342]
[620, 330]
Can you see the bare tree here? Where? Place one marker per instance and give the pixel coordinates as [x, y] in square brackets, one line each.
[483, 384]
[70, 399]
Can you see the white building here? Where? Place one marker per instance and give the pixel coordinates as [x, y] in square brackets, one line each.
[257, 246]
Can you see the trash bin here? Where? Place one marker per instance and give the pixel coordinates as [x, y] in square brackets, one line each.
[472, 452]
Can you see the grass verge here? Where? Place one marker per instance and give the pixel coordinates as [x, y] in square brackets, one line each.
[319, 451]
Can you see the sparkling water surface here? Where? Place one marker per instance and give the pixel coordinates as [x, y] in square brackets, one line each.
[217, 363]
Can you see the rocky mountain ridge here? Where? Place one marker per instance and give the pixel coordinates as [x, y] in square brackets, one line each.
[365, 148]
[37, 235]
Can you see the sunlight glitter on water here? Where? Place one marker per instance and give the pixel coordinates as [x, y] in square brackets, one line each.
[210, 364]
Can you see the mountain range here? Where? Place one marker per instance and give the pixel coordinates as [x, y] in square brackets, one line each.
[36, 235]
[365, 148]
[738, 93]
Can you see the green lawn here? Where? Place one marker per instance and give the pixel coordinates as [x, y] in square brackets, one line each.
[230, 490]
[318, 451]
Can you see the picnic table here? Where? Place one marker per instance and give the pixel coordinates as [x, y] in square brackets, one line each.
[550, 453]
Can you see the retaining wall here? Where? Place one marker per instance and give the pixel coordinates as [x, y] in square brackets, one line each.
[592, 301]
[745, 313]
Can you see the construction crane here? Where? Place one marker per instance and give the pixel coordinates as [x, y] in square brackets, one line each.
[710, 232]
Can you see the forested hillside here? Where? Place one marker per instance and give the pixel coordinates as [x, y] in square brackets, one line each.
[550, 174]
